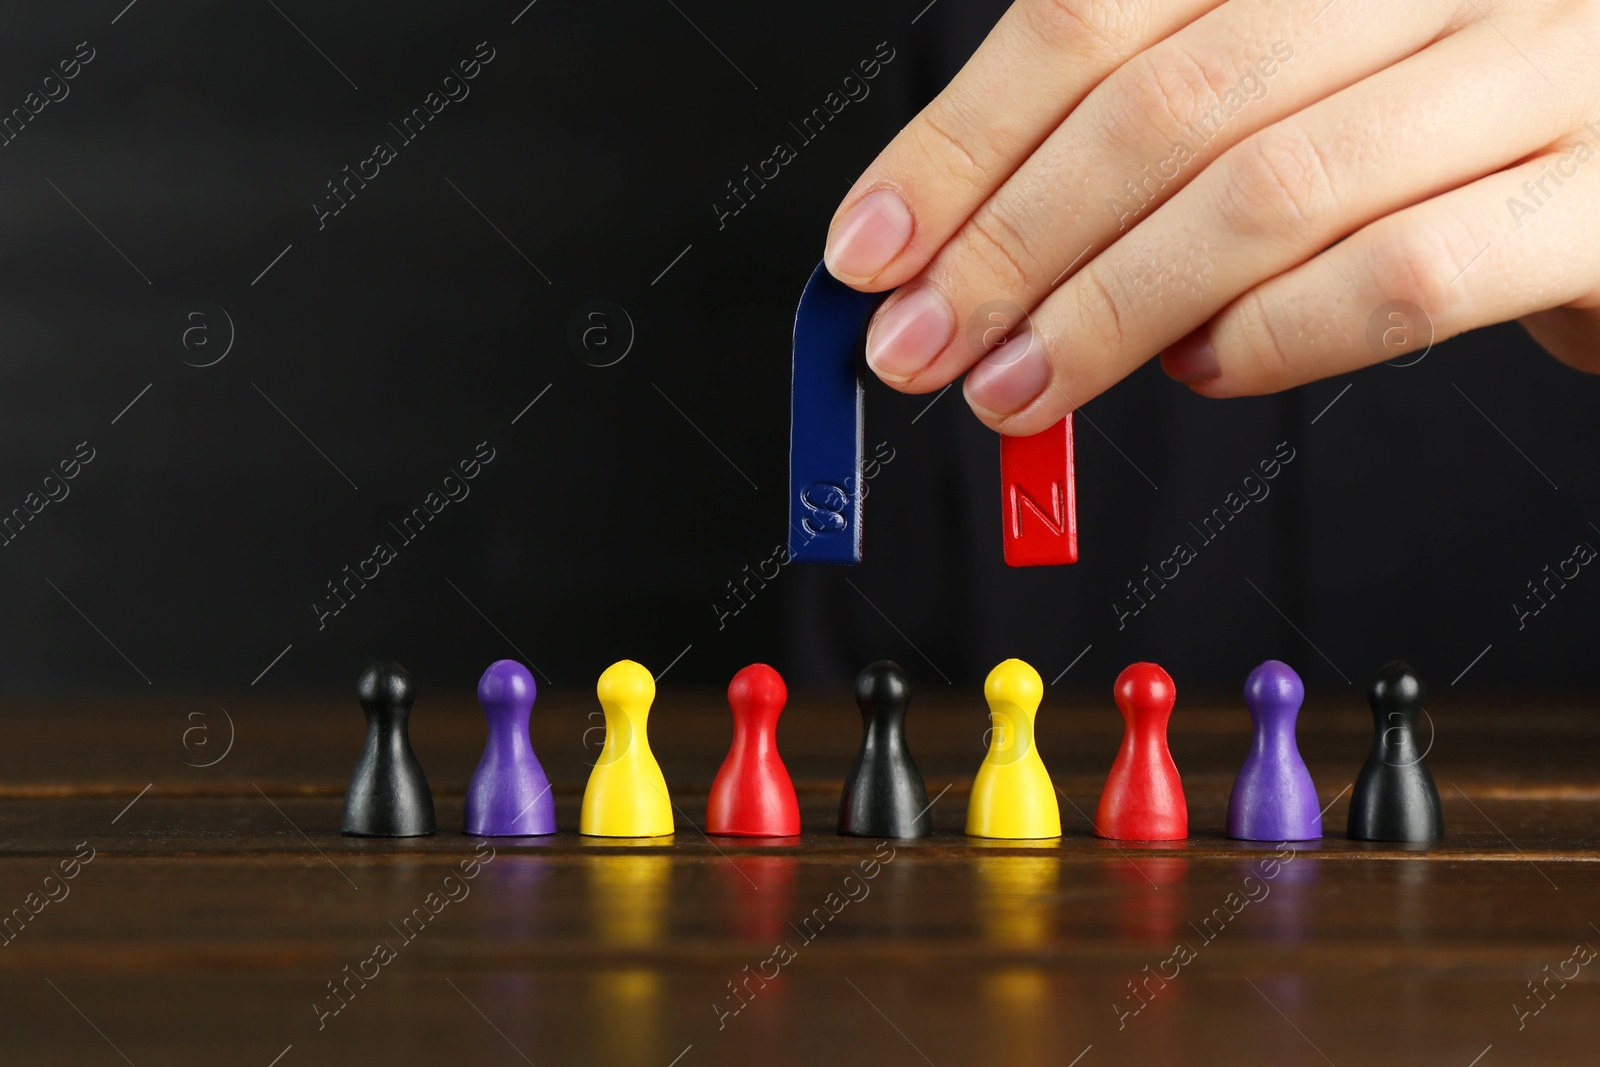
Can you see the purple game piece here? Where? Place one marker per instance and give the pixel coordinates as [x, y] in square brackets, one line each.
[509, 795]
[1273, 797]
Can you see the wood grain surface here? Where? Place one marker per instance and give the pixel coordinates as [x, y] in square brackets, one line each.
[223, 919]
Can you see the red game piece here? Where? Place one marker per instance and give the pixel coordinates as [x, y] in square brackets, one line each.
[1143, 797]
[752, 795]
[1036, 498]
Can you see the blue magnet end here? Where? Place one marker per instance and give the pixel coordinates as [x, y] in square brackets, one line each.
[826, 420]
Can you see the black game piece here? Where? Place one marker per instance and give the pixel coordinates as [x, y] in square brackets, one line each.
[1394, 797]
[388, 794]
[883, 793]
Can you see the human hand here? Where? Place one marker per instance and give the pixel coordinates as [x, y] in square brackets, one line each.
[1240, 185]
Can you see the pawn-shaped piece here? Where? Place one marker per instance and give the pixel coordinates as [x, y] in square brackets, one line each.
[1394, 798]
[1273, 798]
[752, 795]
[1143, 797]
[1012, 796]
[883, 792]
[509, 795]
[388, 794]
[626, 795]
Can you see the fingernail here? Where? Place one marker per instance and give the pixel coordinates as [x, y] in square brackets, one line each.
[907, 337]
[1009, 378]
[1191, 359]
[870, 235]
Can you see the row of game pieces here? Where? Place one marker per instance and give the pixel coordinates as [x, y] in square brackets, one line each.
[1273, 798]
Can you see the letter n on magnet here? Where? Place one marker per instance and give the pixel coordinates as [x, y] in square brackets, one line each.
[1037, 501]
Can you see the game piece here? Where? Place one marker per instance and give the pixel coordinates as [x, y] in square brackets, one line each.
[509, 795]
[626, 795]
[827, 423]
[883, 792]
[1012, 796]
[388, 795]
[1037, 500]
[1143, 797]
[752, 795]
[1394, 798]
[1273, 798]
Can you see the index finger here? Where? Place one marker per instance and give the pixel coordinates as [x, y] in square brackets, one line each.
[1036, 65]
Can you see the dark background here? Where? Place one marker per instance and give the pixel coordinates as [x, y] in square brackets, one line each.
[408, 330]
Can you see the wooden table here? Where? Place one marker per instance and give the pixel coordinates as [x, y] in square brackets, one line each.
[221, 906]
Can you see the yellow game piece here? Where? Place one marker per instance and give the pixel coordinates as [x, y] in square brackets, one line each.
[1012, 796]
[626, 795]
